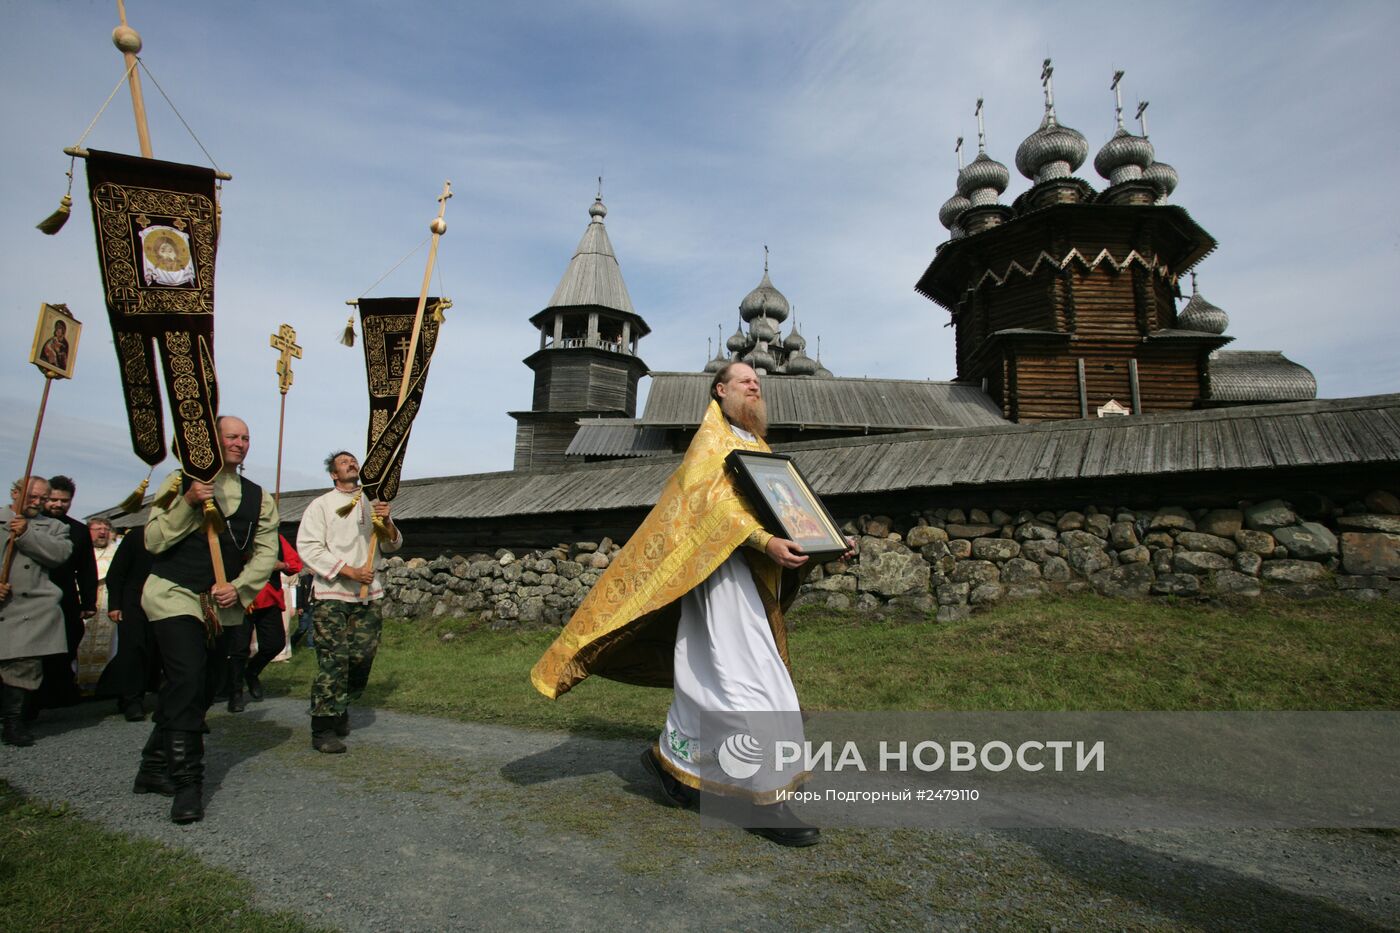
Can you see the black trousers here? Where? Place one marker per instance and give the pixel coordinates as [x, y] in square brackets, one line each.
[271, 638]
[136, 667]
[191, 663]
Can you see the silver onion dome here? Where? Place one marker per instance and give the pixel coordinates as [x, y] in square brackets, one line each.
[800, 364]
[716, 364]
[597, 210]
[739, 341]
[794, 342]
[765, 300]
[760, 358]
[1162, 177]
[1123, 158]
[983, 180]
[952, 209]
[822, 372]
[1053, 151]
[1201, 315]
[761, 328]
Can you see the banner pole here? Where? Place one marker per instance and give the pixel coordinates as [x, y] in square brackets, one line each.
[128, 42]
[22, 497]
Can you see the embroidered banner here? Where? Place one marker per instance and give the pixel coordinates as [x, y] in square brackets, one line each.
[386, 324]
[157, 233]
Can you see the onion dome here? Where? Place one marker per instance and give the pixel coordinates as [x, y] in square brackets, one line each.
[760, 328]
[760, 358]
[1123, 158]
[764, 301]
[1162, 177]
[983, 180]
[794, 342]
[1053, 151]
[952, 209]
[1201, 315]
[597, 211]
[822, 372]
[739, 342]
[800, 364]
[716, 364]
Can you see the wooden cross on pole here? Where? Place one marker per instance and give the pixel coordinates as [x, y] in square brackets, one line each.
[285, 342]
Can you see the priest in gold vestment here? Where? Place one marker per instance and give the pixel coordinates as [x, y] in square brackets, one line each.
[695, 601]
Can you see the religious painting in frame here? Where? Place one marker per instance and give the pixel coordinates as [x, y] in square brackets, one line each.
[55, 349]
[785, 503]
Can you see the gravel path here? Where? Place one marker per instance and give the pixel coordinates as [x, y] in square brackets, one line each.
[435, 825]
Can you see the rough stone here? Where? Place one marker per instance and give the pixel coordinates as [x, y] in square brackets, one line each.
[1035, 531]
[839, 583]
[1370, 553]
[1088, 560]
[511, 572]
[892, 573]
[1365, 595]
[976, 571]
[1214, 544]
[985, 594]
[1029, 590]
[1056, 570]
[1382, 502]
[1040, 551]
[1162, 560]
[1292, 571]
[923, 535]
[1232, 583]
[1048, 518]
[1308, 541]
[1019, 570]
[959, 530]
[978, 517]
[953, 594]
[995, 549]
[1159, 539]
[1199, 562]
[1371, 581]
[879, 526]
[1268, 515]
[1177, 584]
[1135, 555]
[1172, 518]
[532, 610]
[952, 613]
[585, 547]
[1303, 591]
[1098, 524]
[868, 601]
[599, 561]
[838, 601]
[914, 603]
[1081, 539]
[1222, 523]
[1124, 581]
[1389, 524]
[960, 548]
[1248, 562]
[1258, 542]
[998, 517]
[1070, 521]
[569, 569]
[1123, 535]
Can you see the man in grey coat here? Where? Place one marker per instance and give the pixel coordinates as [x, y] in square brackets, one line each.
[31, 617]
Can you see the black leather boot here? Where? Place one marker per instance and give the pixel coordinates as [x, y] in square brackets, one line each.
[342, 724]
[779, 824]
[153, 777]
[323, 735]
[16, 733]
[255, 687]
[236, 702]
[186, 751]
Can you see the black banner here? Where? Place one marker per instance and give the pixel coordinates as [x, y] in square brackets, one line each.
[157, 234]
[386, 325]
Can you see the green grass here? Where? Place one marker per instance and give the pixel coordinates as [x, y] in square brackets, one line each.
[61, 873]
[1082, 653]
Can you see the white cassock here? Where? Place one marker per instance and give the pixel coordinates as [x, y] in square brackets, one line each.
[726, 665]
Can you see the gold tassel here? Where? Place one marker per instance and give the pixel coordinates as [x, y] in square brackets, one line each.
[349, 507]
[441, 306]
[132, 503]
[55, 221]
[169, 495]
[214, 517]
[381, 529]
[347, 337]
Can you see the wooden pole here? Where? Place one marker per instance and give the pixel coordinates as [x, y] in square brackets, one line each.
[438, 228]
[22, 499]
[281, 424]
[128, 42]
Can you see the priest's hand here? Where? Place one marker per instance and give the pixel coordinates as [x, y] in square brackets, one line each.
[850, 549]
[225, 595]
[785, 553]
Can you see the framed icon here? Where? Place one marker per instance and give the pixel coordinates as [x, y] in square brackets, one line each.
[55, 347]
[785, 503]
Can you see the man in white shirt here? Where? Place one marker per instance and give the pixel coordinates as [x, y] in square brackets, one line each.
[334, 542]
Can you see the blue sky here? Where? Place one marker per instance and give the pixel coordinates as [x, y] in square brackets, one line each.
[822, 129]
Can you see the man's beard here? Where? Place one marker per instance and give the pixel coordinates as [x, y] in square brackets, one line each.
[751, 414]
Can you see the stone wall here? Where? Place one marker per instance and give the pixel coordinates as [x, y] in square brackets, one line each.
[949, 561]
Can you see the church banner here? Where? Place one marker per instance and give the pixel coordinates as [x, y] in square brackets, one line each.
[386, 326]
[157, 233]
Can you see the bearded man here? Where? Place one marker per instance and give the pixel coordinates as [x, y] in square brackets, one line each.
[695, 601]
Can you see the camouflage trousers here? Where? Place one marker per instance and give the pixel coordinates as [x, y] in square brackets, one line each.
[347, 638]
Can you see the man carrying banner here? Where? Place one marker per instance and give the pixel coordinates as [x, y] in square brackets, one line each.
[188, 609]
[334, 542]
[31, 617]
[695, 600]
